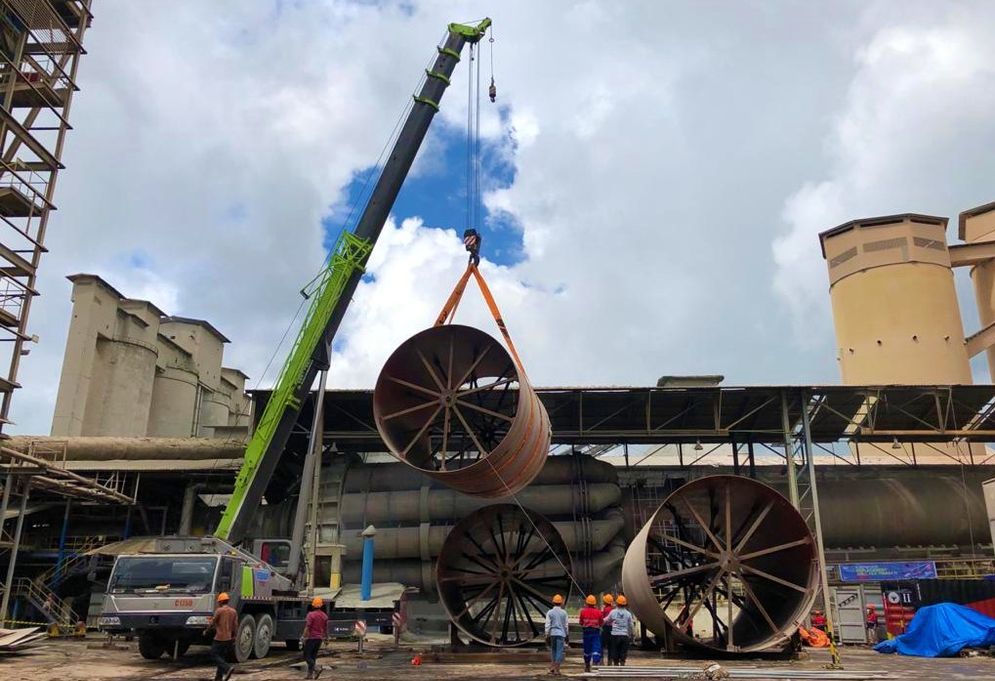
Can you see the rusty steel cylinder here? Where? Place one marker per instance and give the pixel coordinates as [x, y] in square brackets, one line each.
[452, 403]
[725, 563]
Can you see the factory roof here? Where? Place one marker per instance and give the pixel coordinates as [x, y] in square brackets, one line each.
[876, 222]
[971, 213]
[198, 322]
[655, 415]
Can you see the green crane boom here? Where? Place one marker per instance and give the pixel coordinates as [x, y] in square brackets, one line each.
[333, 292]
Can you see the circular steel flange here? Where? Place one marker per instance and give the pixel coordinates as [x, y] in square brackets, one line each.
[498, 572]
[451, 402]
[727, 551]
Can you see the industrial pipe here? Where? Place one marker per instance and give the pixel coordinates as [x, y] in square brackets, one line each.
[732, 549]
[125, 448]
[444, 404]
[382, 508]
[396, 477]
[427, 540]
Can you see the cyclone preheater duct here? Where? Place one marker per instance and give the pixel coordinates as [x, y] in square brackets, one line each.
[445, 403]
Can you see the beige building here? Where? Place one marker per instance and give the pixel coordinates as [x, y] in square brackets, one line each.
[895, 306]
[131, 370]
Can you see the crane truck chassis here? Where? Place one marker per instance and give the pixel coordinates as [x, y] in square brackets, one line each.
[166, 598]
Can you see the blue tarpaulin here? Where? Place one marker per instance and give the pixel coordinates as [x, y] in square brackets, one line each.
[942, 631]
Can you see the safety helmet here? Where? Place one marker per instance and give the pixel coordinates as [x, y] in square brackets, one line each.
[557, 599]
[621, 600]
[870, 606]
[316, 602]
[608, 599]
[223, 597]
[591, 600]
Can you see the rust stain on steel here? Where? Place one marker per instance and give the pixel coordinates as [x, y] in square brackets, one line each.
[714, 536]
[451, 402]
[497, 573]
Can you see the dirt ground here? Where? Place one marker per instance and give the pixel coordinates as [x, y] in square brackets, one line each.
[75, 660]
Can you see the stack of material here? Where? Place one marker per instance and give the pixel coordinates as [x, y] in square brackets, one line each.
[16, 640]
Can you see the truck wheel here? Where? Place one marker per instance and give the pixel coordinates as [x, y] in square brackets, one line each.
[264, 636]
[150, 646]
[293, 644]
[181, 649]
[245, 637]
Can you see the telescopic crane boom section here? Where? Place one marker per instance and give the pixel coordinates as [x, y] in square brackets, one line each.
[333, 292]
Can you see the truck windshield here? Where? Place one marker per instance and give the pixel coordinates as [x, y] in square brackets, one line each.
[141, 573]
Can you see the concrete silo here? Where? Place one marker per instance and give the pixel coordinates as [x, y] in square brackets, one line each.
[977, 230]
[894, 304]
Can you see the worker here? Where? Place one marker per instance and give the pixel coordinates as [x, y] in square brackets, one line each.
[818, 620]
[623, 626]
[557, 633]
[591, 621]
[315, 633]
[224, 623]
[608, 601]
[472, 241]
[871, 622]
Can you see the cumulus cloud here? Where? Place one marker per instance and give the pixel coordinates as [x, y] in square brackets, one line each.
[658, 150]
[908, 137]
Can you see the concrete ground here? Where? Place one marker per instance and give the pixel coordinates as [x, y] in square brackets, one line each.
[74, 660]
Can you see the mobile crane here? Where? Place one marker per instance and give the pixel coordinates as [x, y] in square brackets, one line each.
[167, 595]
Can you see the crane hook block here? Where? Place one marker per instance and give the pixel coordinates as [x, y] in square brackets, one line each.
[492, 91]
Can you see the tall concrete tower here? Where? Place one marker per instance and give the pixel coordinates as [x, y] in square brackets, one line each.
[894, 303]
[976, 229]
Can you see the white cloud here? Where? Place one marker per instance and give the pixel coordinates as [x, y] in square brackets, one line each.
[907, 138]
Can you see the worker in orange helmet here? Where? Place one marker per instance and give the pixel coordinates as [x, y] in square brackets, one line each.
[315, 632]
[557, 633]
[591, 621]
[608, 602]
[623, 626]
[871, 623]
[224, 624]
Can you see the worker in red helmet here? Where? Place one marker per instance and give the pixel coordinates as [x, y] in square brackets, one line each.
[871, 623]
[224, 624]
[591, 621]
[315, 633]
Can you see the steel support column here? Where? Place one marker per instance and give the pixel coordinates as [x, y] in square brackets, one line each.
[789, 452]
[305, 498]
[9, 581]
[817, 521]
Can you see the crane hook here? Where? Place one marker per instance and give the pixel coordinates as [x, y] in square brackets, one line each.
[492, 91]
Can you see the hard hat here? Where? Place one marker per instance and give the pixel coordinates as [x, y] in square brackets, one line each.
[608, 598]
[223, 597]
[621, 600]
[591, 600]
[557, 599]
[870, 606]
[316, 602]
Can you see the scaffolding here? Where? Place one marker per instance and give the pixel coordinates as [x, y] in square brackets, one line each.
[40, 47]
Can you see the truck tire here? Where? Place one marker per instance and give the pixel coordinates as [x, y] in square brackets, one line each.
[245, 638]
[264, 636]
[293, 644]
[150, 646]
[181, 649]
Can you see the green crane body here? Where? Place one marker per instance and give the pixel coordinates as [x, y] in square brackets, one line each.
[332, 294]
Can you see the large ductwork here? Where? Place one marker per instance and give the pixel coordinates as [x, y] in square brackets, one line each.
[445, 404]
[728, 549]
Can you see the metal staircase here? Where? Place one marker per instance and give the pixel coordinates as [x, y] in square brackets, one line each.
[54, 609]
